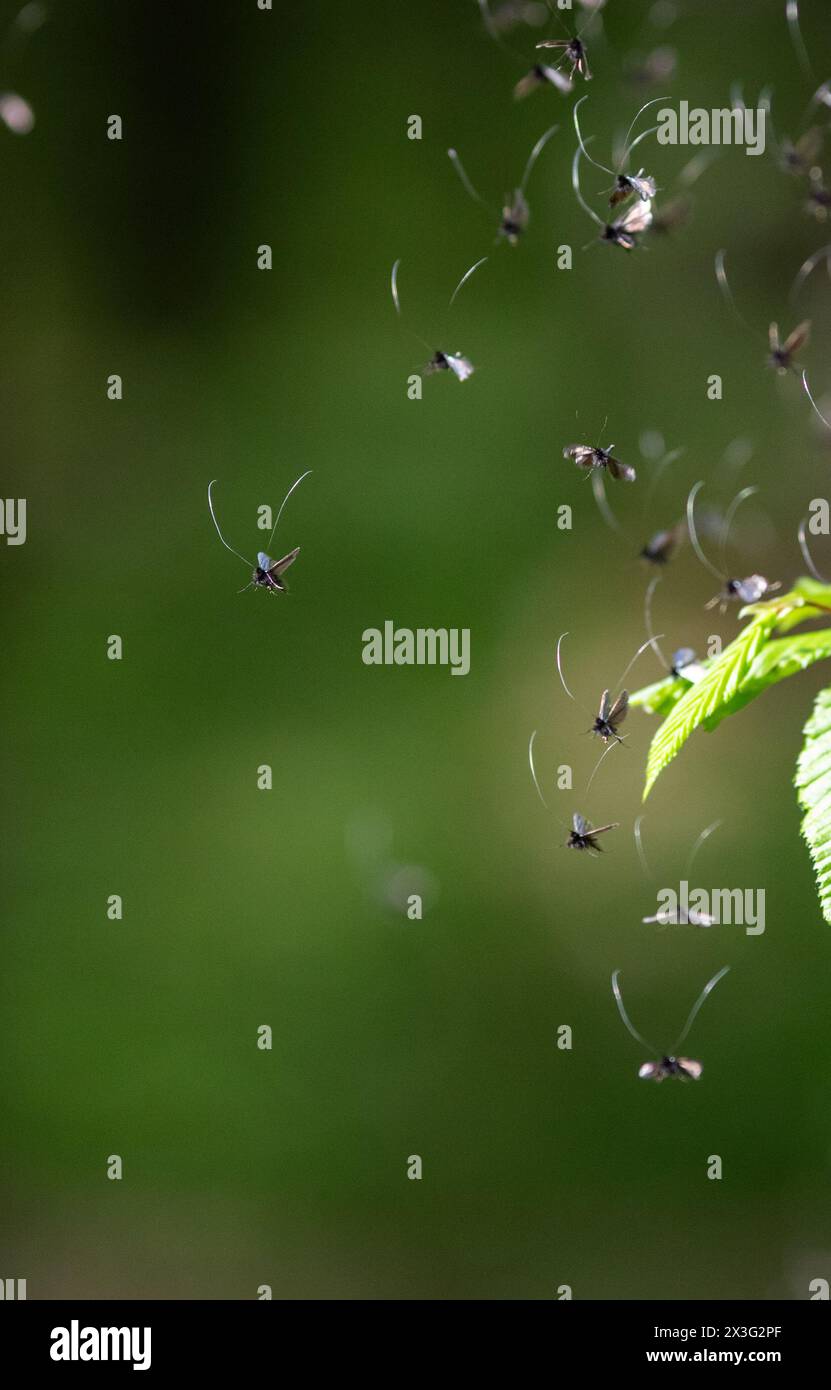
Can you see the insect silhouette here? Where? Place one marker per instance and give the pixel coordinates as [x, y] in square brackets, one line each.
[592, 456]
[749, 590]
[541, 75]
[610, 716]
[515, 210]
[781, 355]
[583, 834]
[625, 185]
[623, 231]
[574, 52]
[267, 573]
[661, 547]
[670, 1064]
[461, 367]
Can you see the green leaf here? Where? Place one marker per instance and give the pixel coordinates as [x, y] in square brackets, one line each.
[783, 657]
[660, 697]
[718, 687]
[813, 783]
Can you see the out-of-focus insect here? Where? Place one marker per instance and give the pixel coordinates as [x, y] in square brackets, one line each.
[685, 663]
[624, 230]
[591, 456]
[267, 573]
[670, 1064]
[511, 14]
[781, 355]
[818, 201]
[683, 915]
[749, 590]
[583, 834]
[440, 361]
[800, 157]
[660, 549]
[625, 185]
[654, 70]
[541, 75]
[515, 211]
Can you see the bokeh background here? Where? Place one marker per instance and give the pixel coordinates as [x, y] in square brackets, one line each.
[243, 907]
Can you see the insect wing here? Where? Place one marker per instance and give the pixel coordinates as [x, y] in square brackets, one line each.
[583, 454]
[773, 339]
[460, 366]
[277, 567]
[798, 338]
[622, 471]
[651, 1071]
[579, 823]
[554, 43]
[644, 187]
[637, 218]
[605, 703]
[601, 829]
[620, 708]
[690, 1068]
[753, 588]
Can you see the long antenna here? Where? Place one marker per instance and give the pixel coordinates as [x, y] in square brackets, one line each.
[650, 642]
[728, 522]
[727, 293]
[817, 410]
[466, 183]
[533, 769]
[535, 153]
[705, 835]
[647, 619]
[603, 506]
[606, 750]
[560, 666]
[575, 183]
[627, 148]
[710, 985]
[639, 847]
[394, 287]
[806, 554]
[467, 276]
[581, 141]
[693, 534]
[792, 16]
[626, 1019]
[807, 268]
[219, 533]
[283, 503]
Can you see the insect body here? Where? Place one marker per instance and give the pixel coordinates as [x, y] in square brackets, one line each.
[591, 456]
[454, 362]
[668, 1063]
[267, 573]
[781, 356]
[610, 716]
[583, 834]
[574, 52]
[749, 590]
[660, 549]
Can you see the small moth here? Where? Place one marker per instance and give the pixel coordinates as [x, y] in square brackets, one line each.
[782, 355]
[590, 456]
[583, 834]
[668, 1064]
[267, 573]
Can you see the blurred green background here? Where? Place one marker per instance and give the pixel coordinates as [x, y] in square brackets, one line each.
[244, 907]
